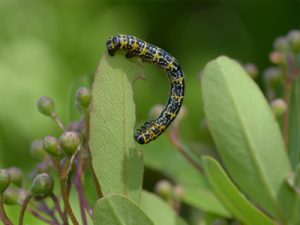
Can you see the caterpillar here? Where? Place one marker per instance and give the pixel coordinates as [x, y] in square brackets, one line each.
[152, 54]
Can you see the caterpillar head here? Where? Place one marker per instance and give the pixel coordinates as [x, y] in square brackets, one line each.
[110, 46]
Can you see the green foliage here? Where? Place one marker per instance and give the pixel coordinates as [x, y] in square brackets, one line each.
[158, 210]
[118, 165]
[119, 210]
[43, 57]
[294, 124]
[248, 137]
[197, 192]
[231, 197]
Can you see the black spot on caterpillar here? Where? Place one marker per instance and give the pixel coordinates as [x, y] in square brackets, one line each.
[151, 54]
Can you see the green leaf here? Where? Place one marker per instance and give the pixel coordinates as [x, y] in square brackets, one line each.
[247, 137]
[197, 192]
[294, 124]
[230, 196]
[159, 211]
[119, 210]
[118, 165]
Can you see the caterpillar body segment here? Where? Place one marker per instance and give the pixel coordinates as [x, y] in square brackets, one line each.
[151, 54]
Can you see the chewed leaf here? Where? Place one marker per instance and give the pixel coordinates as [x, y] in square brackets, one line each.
[118, 165]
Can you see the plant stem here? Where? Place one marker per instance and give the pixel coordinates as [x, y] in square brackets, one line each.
[287, 97]
[174, 139]
[96, 182]
[62, 186]
[44, 208]
[79, 188]
[42, 218]
[57, 121]
[64, 192]
[290, 73]
[87, 124]
[3, 217]
[57, 206]
[24, 206]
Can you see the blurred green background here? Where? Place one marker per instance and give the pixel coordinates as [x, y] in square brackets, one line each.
[47, 47]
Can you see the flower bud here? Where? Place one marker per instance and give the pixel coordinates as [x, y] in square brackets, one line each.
[278, 107]
[281, 44]
[51, 146]
[164, 189]
[43, 167]
[272, 75]
[294, 40]
[37, 149]
[4, 180]
[83, 97]
[42, 185]
[16, 176]
[155, 110]
[46, 105]
[221, 221]
[11, 196]
[203, 123]
[181, 115]
[277, 58]
[69, 141]
[178, 192]
[200, 75]
[251, 69]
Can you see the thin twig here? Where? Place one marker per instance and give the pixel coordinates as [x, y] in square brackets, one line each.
[290, 75]
[96, 182]
[57, 205]
[174, 139]
[85, 202]
[43, 207]
[64, 192]
[79, 189]
[57, 121]
[94, 176]
[59, 171]
[87, 123]
[40, 217]
[24, 206]
[287, 96]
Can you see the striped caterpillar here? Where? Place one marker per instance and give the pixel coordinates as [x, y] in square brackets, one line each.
[152, 54]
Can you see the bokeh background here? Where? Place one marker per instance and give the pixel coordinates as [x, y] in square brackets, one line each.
[50, 47]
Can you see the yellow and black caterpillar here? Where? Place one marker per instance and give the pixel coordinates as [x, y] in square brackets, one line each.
[151, 54]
